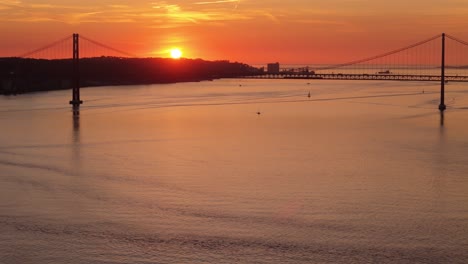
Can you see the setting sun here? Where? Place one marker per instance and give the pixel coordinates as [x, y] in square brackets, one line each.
[176, 53]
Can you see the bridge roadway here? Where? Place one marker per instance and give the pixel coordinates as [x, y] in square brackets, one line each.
[346, 76]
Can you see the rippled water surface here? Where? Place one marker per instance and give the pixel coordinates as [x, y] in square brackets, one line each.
[360, 172]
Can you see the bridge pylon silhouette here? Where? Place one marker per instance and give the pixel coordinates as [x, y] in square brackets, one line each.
[442, 105]
[76, 101]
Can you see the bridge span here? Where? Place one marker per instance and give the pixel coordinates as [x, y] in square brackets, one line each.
[350, 76]
[441, 58]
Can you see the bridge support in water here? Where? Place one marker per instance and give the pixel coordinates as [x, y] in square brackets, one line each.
[76, 73]
[442, 106]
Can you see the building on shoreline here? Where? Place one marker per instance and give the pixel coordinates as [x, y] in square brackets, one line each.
[273, 67]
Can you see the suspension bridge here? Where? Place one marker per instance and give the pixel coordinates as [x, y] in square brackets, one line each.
[441, 58]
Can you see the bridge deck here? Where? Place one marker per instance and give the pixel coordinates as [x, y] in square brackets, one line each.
[342, 76]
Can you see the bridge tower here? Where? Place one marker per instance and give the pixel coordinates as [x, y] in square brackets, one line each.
[442, 106]
[76, 72]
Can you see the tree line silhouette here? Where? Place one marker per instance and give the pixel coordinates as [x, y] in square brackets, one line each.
[19, 75]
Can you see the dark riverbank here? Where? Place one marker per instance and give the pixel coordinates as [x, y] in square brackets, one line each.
[31, 75]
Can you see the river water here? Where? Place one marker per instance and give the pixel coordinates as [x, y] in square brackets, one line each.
[360, 172]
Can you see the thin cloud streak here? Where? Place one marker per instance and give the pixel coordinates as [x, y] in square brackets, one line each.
[156, 14]
[216, 2]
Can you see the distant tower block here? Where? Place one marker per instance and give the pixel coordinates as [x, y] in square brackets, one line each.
[76, 73]
[273, 67]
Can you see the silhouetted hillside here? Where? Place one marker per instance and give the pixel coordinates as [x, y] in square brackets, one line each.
[30, 75]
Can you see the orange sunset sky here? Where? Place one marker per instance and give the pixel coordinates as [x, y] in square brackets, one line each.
[251, 31]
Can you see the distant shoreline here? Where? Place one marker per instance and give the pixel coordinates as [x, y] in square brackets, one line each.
[19, 76]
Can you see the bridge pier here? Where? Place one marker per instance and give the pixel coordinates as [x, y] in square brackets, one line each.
[442, 105]
[76, 73]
